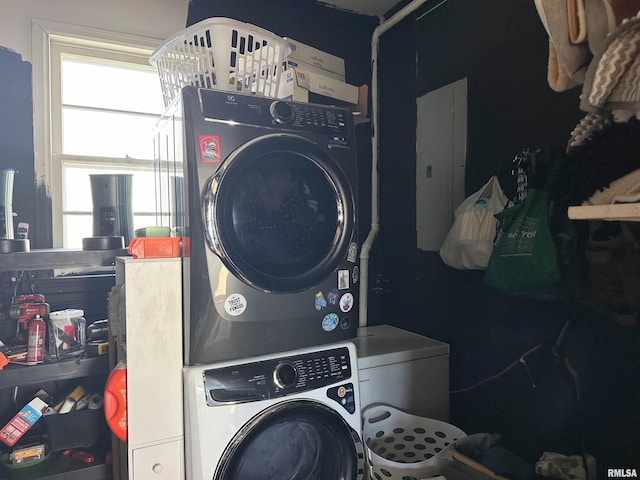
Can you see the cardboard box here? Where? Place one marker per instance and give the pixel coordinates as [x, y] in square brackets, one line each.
[313, 56]
[300, 65]
[22, 421]
[311, 87]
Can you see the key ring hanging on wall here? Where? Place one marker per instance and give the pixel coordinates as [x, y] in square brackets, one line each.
[524, 164]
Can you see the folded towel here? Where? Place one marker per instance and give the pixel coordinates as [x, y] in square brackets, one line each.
[623, 190]
[611, 82]
[574, 58]
[561, 467]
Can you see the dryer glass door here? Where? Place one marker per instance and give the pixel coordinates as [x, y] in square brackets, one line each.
[279, 213]
[299, 440]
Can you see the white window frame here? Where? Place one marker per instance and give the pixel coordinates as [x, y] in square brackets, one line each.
[48, 169]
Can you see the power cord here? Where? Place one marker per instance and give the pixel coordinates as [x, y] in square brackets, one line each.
[504, 371]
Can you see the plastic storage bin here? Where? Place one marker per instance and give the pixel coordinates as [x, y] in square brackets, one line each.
[222, 54]
[83, 428]
[401, 446]
[67, 333]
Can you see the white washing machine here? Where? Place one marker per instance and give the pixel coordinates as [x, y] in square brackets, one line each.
[293, 415]
[403, 369]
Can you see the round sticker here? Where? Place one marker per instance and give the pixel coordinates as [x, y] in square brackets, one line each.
[330, 322]
[235, 304]
[346, 302]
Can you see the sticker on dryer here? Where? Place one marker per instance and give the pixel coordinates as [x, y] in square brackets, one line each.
[346, 302]
[210, 149]
[320, 301]
[235, 304]
[343, 279]
[352, 253]
[333, 296]
[330, 322]
[355, 274]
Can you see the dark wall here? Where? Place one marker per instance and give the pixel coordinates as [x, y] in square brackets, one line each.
[16, 132]
[338, 32]
[501, 47]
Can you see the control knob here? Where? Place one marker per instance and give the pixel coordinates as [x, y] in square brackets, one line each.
[282, 112]
[285, 375]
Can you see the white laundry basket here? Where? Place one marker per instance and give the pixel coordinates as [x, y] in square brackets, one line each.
[401, 446]
[222, 54]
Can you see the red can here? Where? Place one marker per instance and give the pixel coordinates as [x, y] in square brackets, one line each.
[35, 341]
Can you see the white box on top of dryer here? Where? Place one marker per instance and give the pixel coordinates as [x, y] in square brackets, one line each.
[403, 369]
[301, 52]
[308, 67]
[310, 87]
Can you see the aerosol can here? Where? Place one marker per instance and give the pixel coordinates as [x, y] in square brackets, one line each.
[35, 342]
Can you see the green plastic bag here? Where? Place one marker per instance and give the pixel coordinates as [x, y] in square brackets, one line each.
[531, 257]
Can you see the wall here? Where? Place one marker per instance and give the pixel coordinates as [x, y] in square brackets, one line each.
[155, 19]
[501, 47]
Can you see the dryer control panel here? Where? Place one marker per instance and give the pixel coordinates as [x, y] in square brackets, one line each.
[276, 377]
[268, 112]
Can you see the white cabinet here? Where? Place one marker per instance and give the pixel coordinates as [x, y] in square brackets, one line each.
[403, 369]
[148, 294]
[158, 462]
[441, 149]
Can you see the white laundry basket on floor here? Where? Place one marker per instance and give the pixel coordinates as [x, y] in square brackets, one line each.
[401, 446]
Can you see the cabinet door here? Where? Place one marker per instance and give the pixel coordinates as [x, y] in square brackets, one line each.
[441, 148]
[158, 462]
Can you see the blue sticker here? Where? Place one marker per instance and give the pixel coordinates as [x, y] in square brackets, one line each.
[333, 296]
[330, 322]
[320, 301]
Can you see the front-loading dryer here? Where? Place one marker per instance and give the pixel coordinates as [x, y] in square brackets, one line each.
[292, 416]
[263, 191]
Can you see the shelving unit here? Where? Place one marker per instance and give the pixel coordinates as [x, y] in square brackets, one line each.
[25, 375]
[628, 212]
[57, 466]
[58, 258]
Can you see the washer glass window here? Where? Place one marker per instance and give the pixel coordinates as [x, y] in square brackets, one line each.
[302, 441]
[279, 214]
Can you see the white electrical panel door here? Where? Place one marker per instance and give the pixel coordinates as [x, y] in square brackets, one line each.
[441, 149]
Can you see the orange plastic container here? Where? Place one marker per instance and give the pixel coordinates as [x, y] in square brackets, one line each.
[155, 247]
[115, 401]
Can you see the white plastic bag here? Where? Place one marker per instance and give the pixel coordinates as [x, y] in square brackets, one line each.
[469, 243]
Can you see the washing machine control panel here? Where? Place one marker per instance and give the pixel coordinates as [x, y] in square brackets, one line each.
[280, 114]
[276, 377]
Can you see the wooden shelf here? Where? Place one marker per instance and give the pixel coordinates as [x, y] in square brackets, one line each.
[627, 212]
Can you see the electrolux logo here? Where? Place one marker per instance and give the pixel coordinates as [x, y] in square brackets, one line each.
[622, 473]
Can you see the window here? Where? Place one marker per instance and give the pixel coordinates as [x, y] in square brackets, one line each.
[104, 101]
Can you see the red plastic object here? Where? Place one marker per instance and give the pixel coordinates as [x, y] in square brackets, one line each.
[3, 361]
[155, 247]
[115, 401]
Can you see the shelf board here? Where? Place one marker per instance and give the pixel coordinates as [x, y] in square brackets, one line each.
[22, 375]
[628, 212]
[53, 258]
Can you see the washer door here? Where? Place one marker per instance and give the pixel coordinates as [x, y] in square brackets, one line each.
[298, 440]
[279, 213]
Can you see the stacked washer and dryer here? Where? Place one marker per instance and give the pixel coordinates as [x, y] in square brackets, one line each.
[263, 192]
